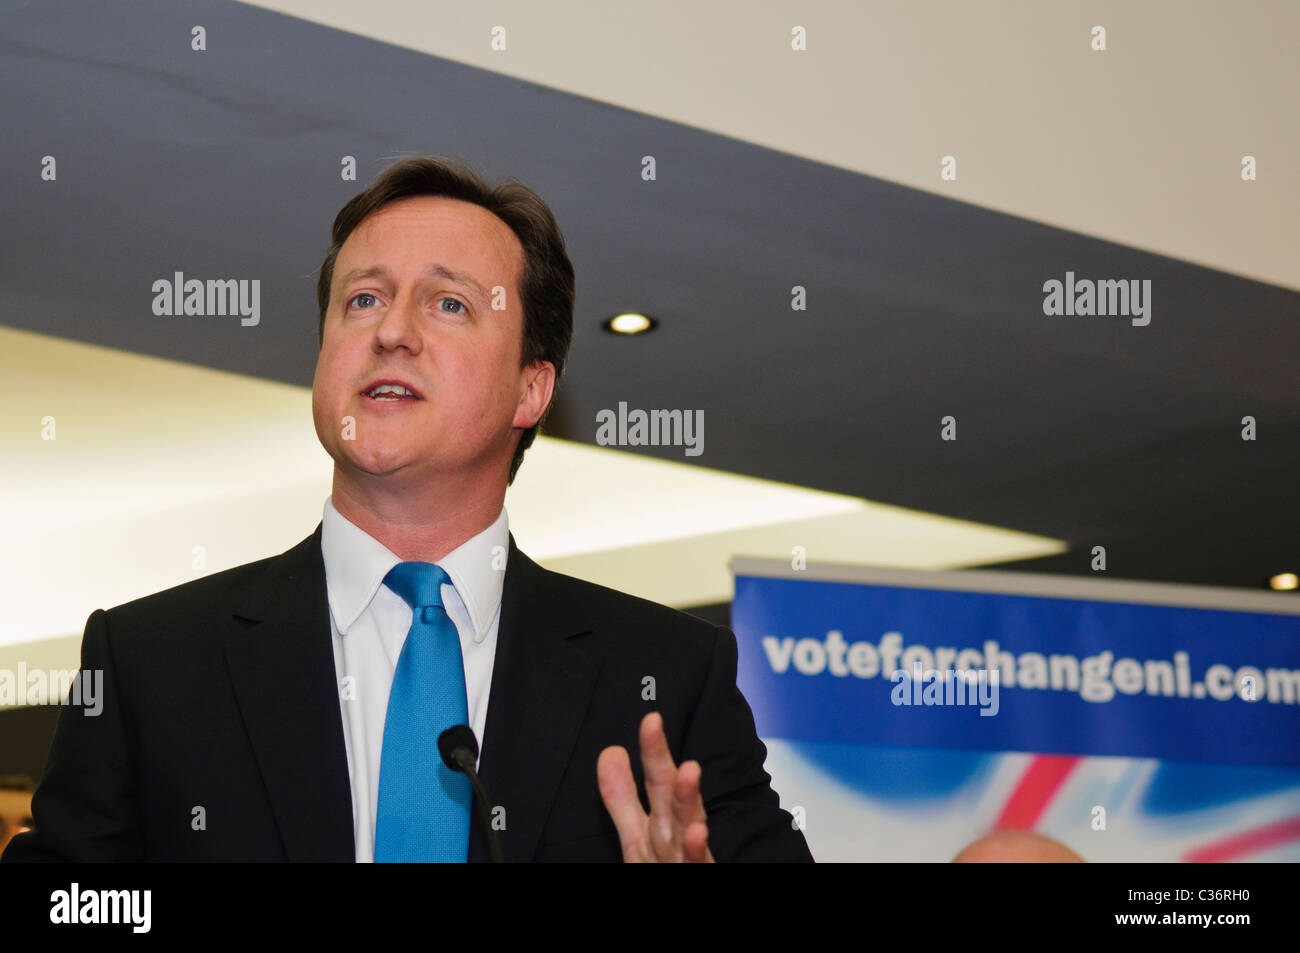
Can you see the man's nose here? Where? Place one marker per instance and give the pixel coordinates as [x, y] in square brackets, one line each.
[400, 326]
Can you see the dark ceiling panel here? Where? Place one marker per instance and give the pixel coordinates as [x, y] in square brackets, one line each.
[225, 164]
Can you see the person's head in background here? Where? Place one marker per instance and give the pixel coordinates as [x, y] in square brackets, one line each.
[15, 806]
[462, 293]
[1023, 847]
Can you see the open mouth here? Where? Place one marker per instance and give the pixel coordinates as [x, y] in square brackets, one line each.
[387, 392]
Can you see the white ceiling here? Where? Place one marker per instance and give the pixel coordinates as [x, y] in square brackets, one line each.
[1140, 144]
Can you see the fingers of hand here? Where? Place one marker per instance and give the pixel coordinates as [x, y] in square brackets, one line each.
[695, 844]
[618, 791]
[660, 775]
[688, 803]
[676, 828]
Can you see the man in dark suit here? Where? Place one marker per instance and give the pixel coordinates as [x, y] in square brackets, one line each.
[262, 713]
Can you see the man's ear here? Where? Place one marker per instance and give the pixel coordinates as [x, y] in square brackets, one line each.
[539, 385]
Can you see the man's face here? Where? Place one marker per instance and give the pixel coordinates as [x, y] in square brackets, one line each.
[393, 317]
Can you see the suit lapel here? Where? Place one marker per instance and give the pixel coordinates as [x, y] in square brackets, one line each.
[281, 663]
[541, 686]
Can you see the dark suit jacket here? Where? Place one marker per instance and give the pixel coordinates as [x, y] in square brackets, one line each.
[222, 694]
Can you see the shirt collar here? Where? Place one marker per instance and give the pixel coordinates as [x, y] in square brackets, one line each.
[356, 564]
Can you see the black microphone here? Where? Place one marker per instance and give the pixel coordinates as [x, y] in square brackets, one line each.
[459, 750]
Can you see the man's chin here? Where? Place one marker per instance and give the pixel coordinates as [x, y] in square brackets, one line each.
[376, 465]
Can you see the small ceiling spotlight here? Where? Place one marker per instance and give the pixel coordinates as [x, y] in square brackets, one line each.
[630, 323]
[1284, 580]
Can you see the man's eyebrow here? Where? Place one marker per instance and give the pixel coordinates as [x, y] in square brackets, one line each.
[433, 271]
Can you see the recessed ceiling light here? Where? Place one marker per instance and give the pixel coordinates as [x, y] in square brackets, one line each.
[630, 323]
[1285, 580]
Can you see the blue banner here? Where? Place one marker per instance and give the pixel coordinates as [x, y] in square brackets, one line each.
[871, 664]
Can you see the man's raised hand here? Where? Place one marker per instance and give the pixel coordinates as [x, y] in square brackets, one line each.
[676, 829]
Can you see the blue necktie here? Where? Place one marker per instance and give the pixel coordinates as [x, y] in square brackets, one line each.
[424, 806]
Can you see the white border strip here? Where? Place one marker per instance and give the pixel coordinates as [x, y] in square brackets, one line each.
[1027, 584]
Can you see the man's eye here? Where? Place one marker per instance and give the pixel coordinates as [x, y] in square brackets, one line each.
[364, 294]
[457, 303]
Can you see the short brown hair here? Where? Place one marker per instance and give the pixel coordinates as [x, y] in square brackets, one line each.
[546, 284]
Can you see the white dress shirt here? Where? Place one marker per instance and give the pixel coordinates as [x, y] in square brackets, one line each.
[369, 622]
